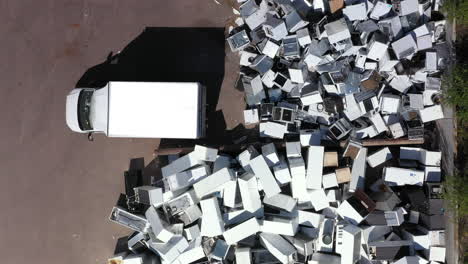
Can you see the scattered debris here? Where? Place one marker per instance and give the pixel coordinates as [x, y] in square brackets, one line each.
[358, 76]
[299, 204]
[319, 79]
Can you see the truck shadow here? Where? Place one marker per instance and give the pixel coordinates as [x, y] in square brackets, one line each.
[170, 55]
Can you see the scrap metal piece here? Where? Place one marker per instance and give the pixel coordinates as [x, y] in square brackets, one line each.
[389, 104]
[293, 149]
[187, 178]
[415, 129]
[282, 174]
[318, 258]
[271, 48]
[281, 201]
[270, 154]
[192, 233]
[190, 214]
[340, 129]
[183, 163]
[253, 14]
[243, 255]
[358, 171]
[355, 12]
[129, 220]
[408, 6]
[298, 72]
[282, 114]
[149, 195]
[298, 178]
[338, 34]
[254, 92]
[377, 46]
[329, 181]
[401, 83]
[343, 175]
[324, 242]
[424, 42]
[193, 253]
[137, 242]
[431, 62]
[212, 222]
[262, 64]
[431, 113]
[251, 116]
[238, 41]
[262, 171]
[397, 176]
[241, 231]
[379, 157]
[291, 48]
[303, 37]
[283, 83]
[249, 192]
[275, 28]
[405, 47]
[315, 158]
[318, 198]
[355, 209]
[220, 250]
[213, 182]
[391, 27]
[205, 153]
[351, 244]
[278, 246]
[280, 225]
[294, 21]
[272, 129]
[380, 9]
[158, 226]
[367, 101]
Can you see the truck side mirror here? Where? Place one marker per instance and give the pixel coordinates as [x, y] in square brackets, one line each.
[90, 136]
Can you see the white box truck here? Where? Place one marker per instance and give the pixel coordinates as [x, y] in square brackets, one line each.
[139, 110]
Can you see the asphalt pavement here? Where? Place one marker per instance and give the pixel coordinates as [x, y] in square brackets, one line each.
[58, 188]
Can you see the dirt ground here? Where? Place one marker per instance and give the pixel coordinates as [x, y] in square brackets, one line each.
[58, 188]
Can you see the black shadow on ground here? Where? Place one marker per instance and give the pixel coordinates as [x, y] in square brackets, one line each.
[121, 246]
[170, 55]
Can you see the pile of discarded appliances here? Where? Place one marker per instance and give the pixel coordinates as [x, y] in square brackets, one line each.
[314, 76]
[373, 70]
[300, 204]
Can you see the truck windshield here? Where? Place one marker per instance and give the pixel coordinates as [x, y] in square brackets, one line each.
[84, 109]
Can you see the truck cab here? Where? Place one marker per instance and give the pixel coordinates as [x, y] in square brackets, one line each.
[138, 110]
[86, 110]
